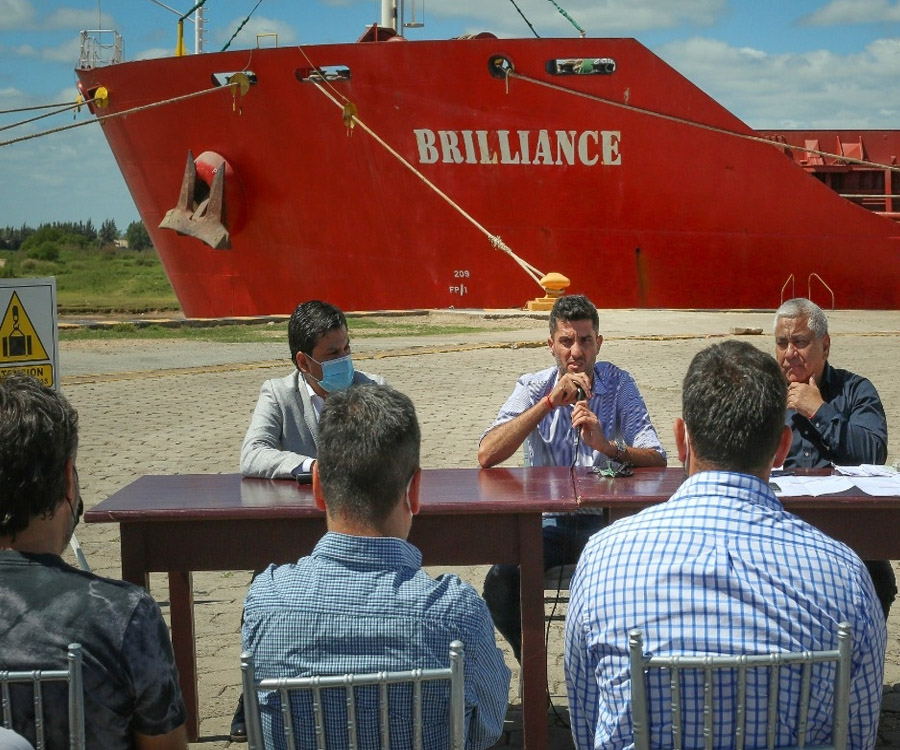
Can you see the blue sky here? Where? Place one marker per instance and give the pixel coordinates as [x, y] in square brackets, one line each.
[786, 63]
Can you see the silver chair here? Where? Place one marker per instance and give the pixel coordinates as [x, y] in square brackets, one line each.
[349, 683]
[641, 666]
[37, 678]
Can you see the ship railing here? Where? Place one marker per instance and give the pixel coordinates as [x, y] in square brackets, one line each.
[809, 282]
[790, 280]
[268, 35]
[99, 47]
[874, 200]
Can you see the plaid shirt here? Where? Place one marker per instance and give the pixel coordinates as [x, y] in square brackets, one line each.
[363, 604]
[720, 568]
[615, 400]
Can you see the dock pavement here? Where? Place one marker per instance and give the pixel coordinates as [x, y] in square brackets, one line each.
[177, 407]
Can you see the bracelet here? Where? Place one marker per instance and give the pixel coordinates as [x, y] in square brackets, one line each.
[549, 402]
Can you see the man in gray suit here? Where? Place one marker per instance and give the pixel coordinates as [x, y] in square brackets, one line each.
[282, 439]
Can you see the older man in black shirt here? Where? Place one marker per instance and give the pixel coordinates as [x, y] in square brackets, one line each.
[835, 415]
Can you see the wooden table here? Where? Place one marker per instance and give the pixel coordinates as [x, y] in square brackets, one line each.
[869, 525]
[181, 524]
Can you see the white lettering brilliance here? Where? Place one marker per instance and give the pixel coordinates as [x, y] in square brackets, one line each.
[520, 147]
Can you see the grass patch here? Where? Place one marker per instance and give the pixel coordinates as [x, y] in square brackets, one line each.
[227, 334]
[98, 280]
[249, 333]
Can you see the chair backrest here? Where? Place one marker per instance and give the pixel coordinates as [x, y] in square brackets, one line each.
[739, 666]
[37, 678]
[349, 683]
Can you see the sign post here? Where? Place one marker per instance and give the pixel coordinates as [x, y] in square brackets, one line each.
[29, 337]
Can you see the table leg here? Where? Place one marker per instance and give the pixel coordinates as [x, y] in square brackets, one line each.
[181, 603]
[534, 654]
[131, 550]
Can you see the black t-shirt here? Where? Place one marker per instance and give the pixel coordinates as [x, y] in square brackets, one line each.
[130, 680]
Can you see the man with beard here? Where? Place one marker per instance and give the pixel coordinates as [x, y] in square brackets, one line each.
[131, 693]
[580, 412]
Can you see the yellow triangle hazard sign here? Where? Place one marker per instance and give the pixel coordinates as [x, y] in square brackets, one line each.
[19, 340]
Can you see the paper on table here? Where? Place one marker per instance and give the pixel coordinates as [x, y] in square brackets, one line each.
[866, 470]
[879, 486]
[788, 486]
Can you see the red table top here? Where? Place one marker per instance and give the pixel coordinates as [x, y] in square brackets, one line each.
[228, 496]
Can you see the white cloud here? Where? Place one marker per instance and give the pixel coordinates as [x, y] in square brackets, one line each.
[38, 186]
[75, 19]
[853, 11]
[21, 50]
[67, 52]
[813, 89]
[247, 37]
[19, 15]
[610, 18]
[16, 14]
[155, 52]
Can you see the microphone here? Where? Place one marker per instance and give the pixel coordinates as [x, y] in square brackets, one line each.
[580, 395]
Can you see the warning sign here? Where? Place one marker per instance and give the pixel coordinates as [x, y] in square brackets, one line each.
[29, 341]
[19, 339]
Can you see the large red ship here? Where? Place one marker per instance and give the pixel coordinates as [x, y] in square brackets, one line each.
[394, 174]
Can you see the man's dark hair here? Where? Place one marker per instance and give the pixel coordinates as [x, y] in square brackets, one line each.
[573, 307]
[38, 434]
[309, 322]
[733, 404]
[368, 451]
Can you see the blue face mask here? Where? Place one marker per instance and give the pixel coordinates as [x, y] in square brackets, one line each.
[337, 374]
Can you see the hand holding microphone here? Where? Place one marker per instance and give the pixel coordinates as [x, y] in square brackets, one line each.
[571, 388]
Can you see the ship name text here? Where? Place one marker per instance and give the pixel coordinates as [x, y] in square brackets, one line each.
[539, 147]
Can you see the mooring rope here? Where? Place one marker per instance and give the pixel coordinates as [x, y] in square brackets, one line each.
[495, 240]
[231, 87]
[59, 110]
[512, 73]
[35, 107]
[568, 18]
[533, 30]
[243, 23]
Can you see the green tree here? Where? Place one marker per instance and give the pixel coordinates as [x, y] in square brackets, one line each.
[137, 237]
[108, 233]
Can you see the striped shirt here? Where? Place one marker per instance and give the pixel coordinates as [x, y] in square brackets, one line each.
[364, 604]
[719, 568]
[615, 400]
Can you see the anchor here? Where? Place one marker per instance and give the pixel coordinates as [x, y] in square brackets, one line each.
[196, 215]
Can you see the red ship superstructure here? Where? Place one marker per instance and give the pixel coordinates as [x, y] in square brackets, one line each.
[392, 174]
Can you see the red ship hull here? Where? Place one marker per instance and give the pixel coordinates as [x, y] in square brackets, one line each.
[636, 210]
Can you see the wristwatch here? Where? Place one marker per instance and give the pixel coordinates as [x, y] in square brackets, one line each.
[621, 447]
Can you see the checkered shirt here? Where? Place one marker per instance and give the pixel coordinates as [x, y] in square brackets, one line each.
[615, 400]
[720, 568]
[363, 604]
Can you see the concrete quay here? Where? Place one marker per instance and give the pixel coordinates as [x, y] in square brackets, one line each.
[174, 407]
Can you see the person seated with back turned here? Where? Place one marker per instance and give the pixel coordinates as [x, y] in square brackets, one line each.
[836, 417]
[361, 601]
[282, 437]
[721, 568]
[281, 441]
[131, 693]
[609, 423]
